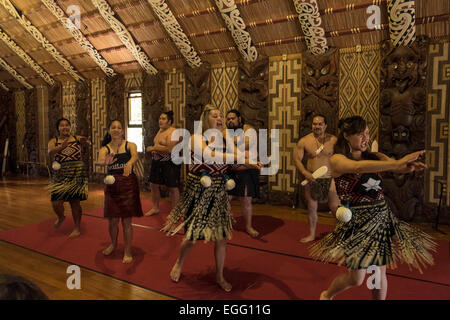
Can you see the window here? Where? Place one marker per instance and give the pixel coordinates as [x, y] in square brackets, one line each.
[134, 130]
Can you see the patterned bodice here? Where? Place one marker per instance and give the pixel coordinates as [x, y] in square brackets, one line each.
[70, 153]
[212, 169]
[359, 188]
[159, 156]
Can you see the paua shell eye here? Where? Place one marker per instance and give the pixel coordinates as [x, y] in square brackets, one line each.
[324, 71]
[310, 72]
[394, 65]
[409, 64]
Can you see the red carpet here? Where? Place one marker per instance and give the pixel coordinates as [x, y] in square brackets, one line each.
[282, 236]
[255, 274]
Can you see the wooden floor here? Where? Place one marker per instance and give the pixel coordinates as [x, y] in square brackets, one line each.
[25, 201]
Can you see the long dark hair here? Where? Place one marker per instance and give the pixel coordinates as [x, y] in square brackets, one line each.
[107, 138]
[169, 115]
[350, 126]
[61, 120]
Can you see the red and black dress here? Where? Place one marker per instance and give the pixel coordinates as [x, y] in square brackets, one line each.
[373, 236]
[203, 212]
[70, 182]
[122, 198]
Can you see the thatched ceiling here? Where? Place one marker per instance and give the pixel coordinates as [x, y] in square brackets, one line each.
[195, 17]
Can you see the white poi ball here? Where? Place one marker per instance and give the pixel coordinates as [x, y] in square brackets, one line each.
[344, 214]
[206, 181]
[109, 179]
[56, 165]
[230, 184]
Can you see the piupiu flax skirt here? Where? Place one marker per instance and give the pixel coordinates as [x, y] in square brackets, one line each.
[122, 198]
[70, 182]
[203, 212]
[374, 236]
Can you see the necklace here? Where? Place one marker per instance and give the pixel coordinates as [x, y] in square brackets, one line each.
[320, 146]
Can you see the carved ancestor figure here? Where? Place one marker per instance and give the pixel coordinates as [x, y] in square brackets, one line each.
[152, 107]
[83, 112]
[115, 88]
[198, 92]
[320, 89]
[402, 120]
[254, 92]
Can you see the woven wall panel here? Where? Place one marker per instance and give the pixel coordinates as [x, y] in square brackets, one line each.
[438, 118]
[359, 86]
[285, 115]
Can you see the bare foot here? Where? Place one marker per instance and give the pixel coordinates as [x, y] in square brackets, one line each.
[224, 285]
[175, 273]
[109, 250]
[152, 212]
[58, 222]
[252, 232]
[127, 259]
[75, 233]
[307, 239]
[323, 296]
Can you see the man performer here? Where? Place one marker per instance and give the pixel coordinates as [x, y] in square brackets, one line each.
[317, 147]
[163, 171]
[247, 179]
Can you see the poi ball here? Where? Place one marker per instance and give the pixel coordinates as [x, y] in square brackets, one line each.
[230, 184]
[109, 179]
[56, 165]
[205, 181]
[344, 214]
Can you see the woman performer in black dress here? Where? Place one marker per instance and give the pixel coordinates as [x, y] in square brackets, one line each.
[69, 179]
[373, 237]
[122, 199]
[205, 211]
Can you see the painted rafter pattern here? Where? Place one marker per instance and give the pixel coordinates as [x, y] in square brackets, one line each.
[402, 22]
[124, 35]
[175, 31]
[25, 57]
[14, 73]
[67, 23]
[3, 86]
[41, 39]
[236, 25]
[310, 20]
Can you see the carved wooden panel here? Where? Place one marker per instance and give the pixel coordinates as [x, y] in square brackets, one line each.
[152, 106]
[198, 92]
[254, 92]
[115, 95]
[8, 127]
[55, 111]
[84, 116]
[403, 121]
[31, 141]
[320, 83]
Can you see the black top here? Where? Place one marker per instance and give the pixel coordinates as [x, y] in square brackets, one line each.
[122, 159]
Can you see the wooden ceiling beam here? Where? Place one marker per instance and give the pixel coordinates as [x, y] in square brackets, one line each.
[176, 32]
[124, 35]
[134, 26]
[236, 25]
[74, 30]
[39, 37]
[402, 29]
[25, 57]
[3, 86]
[15, 74]
[311, 22]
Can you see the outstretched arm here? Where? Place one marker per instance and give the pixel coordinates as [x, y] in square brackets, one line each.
[340, 164]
